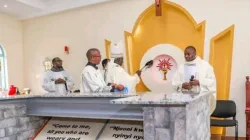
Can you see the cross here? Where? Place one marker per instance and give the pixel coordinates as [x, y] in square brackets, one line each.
[158, 8]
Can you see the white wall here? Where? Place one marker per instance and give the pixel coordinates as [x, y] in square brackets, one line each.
[11, 40]
[87, 27]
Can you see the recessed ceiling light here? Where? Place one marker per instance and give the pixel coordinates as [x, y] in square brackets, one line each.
[5, 5]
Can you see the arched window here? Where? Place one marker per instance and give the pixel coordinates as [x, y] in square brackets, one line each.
[3, 70]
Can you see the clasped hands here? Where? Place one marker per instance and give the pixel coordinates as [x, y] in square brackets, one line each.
[116, 86]
[188, 85]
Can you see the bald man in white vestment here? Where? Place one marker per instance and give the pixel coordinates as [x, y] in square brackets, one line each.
[92, 79]
[57, 80]
[117, 74]
[196, 75]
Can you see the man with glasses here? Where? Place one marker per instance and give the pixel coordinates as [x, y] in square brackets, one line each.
[92, 79]
[57, 80]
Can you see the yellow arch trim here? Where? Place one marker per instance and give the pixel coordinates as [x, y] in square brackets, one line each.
[230, 31]
[128, 35]
[215, 50]
[107, 47]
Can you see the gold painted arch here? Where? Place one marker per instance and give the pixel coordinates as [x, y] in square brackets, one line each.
[176, 6]
[221, 54]
[174, 25]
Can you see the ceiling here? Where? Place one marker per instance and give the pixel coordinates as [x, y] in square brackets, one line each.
[26, 9]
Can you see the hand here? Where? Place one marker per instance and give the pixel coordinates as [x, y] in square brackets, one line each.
[113, 85]
[194, 82]
[138, 73]
[186, 85]
[60, 81]
[120, 87]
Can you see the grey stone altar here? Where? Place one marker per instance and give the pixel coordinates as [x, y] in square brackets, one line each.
[173, 116]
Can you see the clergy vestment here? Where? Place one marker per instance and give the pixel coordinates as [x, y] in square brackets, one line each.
[116, 74]
[49, 85]
[92, 80]
[202, 71]
[104, 72]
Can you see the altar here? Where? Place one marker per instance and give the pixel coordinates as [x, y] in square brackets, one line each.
[173, 116]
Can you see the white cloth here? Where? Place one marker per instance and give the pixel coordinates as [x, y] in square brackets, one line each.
[109, 73]
[48, 82]
[189, 71]
[92, 81]
[104, 71]
[116, 74]
[205, 75]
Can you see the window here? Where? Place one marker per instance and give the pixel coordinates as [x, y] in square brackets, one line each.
[3, 70]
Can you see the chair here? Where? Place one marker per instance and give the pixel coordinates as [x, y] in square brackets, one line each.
[225, 109]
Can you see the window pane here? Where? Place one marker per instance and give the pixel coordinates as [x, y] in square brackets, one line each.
[1, 50]
[3, 70]
[1, 73]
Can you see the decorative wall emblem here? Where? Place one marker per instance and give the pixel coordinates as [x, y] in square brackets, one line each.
[158, 78]
[164, 65]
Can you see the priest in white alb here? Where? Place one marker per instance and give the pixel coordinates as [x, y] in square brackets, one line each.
[92, 80]
[195, 76]
[57, 80]
[117, 74]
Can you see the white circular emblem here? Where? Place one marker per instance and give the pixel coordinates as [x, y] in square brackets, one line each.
[166, 58]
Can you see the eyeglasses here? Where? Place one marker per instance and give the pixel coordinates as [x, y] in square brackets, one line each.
[58, 61]
[97, 56]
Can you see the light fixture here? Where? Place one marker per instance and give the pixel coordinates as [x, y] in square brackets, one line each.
[5, 5]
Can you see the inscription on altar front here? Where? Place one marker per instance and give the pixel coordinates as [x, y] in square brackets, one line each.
[74, 129]
[90, 129]
[123, 130]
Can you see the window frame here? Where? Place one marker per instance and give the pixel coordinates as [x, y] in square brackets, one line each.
[4, 71]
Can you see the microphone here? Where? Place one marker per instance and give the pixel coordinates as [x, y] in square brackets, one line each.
[192, 78]
[66, 87]
[148, 64]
